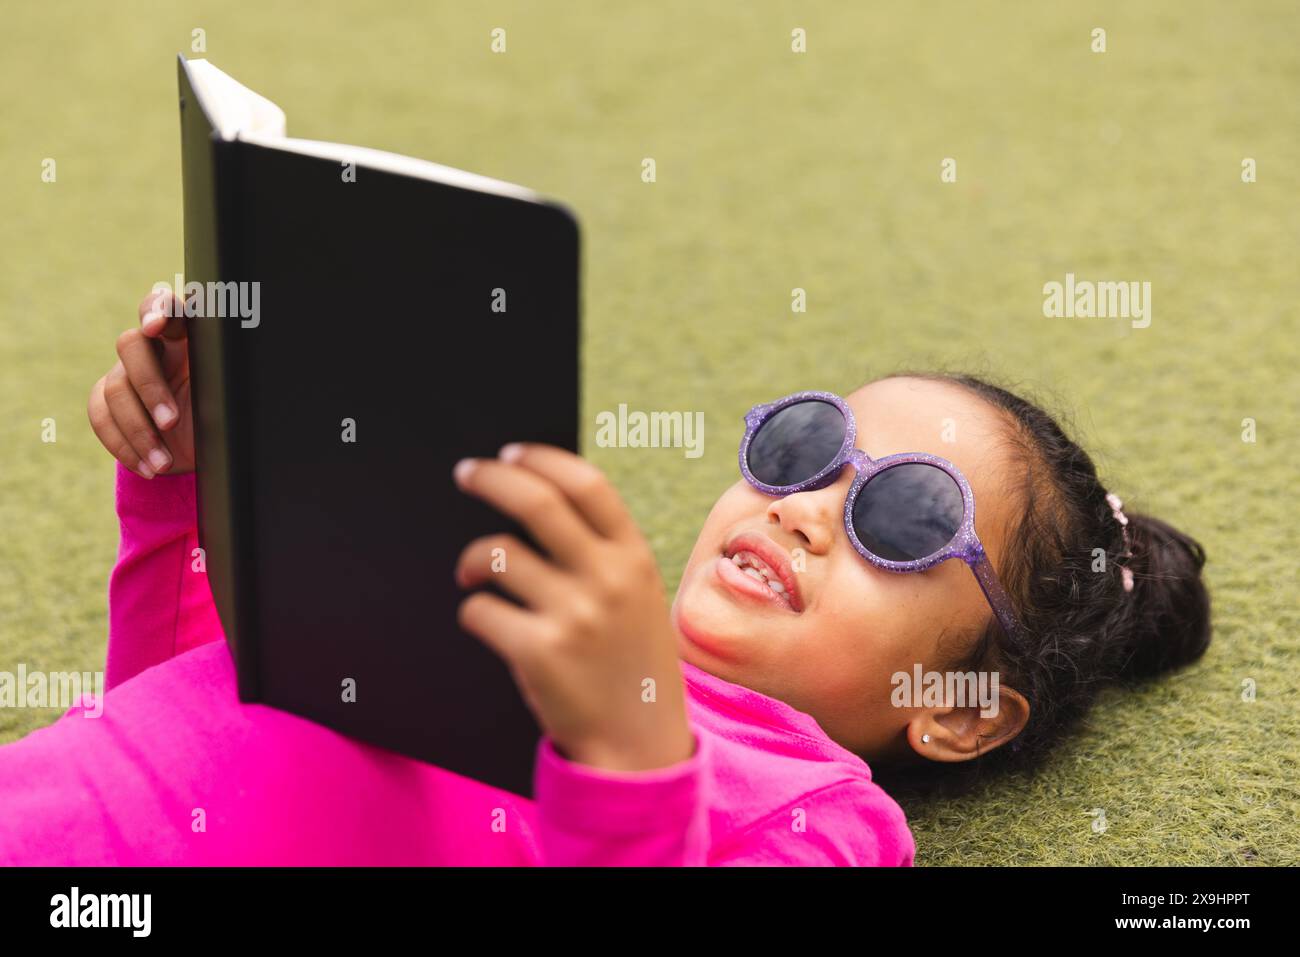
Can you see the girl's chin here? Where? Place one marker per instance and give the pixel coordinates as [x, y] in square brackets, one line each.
[704, 626]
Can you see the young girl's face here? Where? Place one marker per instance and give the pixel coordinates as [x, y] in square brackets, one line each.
[856, 625]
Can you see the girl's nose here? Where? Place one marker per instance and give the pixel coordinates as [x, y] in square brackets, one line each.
[813, 516]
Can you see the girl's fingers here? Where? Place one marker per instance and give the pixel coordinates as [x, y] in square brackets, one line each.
[144, 371]
[535, 503]
[586, 486]
[162, 315]
[109, 435]
[133, 422]
[512, 632]
[514, 566]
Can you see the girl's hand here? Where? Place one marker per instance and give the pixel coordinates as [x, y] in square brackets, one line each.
[140, 409]
[595, 625]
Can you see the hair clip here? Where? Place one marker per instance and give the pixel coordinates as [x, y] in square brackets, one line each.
[1117, 510]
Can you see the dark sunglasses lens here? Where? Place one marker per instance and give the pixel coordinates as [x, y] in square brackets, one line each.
[908, 512]
[796, 443]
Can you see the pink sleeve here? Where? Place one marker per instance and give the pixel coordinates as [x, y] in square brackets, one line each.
[660, 818]
[158, 604]
[594, 817]
[851, 823]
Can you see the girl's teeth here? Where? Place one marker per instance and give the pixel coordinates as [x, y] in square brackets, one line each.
[742, 561]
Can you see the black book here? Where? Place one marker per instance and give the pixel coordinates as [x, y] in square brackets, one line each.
[363, 320]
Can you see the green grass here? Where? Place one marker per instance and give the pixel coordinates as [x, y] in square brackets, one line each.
[775, 171]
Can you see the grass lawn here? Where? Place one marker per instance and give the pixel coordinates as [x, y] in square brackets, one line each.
[774, 170]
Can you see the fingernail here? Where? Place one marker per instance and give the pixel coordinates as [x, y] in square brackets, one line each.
[511, 452]
[162, 414]
[144, 470]
[158, 459]
[463, 469]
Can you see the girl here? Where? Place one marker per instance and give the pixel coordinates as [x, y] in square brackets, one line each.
[735, 727]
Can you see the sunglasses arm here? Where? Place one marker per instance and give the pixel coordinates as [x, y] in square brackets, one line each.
[996, 595]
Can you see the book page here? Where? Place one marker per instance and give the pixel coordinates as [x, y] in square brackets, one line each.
[239, 113]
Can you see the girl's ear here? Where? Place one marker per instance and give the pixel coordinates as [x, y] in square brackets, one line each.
[961, 734]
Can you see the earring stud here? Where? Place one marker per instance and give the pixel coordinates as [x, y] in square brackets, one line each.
[925, 739]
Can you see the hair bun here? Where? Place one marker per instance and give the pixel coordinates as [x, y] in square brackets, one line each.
[1168, 613]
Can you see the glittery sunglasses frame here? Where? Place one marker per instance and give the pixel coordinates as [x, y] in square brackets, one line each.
[964, 544]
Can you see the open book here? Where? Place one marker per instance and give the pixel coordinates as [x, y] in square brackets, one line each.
[363, 320]
[238, 113]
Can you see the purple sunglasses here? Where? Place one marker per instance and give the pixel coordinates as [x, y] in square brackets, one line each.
[917, 511]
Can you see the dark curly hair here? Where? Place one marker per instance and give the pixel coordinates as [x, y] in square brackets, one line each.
[1084, 630]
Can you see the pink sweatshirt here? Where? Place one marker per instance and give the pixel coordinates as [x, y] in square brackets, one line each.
[177, 771]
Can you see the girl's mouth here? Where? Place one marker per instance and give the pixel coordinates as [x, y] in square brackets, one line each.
[754, 566]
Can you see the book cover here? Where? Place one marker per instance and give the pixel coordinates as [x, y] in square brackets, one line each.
[364, 321]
